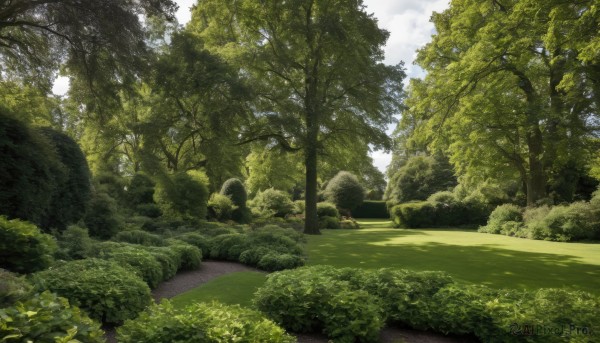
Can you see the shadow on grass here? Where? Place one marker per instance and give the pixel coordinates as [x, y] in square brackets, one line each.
[486, 264]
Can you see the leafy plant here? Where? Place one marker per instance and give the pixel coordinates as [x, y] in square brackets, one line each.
[329, 223]
[74, 243]
[220, 207]
[327, 209]
[345, 191]
[12, 288]
[272, 202]
[23, 248]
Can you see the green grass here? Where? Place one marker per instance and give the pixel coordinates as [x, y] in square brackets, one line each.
[493, 260]
[234, 288]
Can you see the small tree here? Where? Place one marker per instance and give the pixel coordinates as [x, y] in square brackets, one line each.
[183, 195]
[345, 191]
[235, 190]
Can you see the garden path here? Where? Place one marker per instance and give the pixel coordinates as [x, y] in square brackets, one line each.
[209, 270]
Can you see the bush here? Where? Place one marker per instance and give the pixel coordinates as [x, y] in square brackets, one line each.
[104, 289]
[427, 214]
[199, 241]
[413, 215]
[12, 288]
[182, 196]
[74, 243]
[371, 209]
[228, 247]
[329, 223]
[47, 318]
[349, 224]
[345, 191]
[272, 203]
[101, 217]
[303, 300]
[189, 255]
[234, 189]
[201, 322]
[565, 223]
[139, 237]
[220, 207]
[499, 218]
[252, 256]
[140, 190]
[23, 248]
[299, 206]
[169, 260]
[327, 209]
[149, 210]
[277, 261]
[142, 262]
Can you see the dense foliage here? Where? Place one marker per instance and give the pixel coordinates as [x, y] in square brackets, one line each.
[371, 209]
[12, 288]
[23, 248]
[102, 217]
[104, 289]
[202, 322]
[47, 318]
[345, 191]
[272, 203]
[182, 195]
[236, 191]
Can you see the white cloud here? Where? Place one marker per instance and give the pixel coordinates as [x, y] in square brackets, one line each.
[60, 86]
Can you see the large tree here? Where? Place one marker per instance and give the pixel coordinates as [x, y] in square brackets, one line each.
[316, 69]
[507, 94]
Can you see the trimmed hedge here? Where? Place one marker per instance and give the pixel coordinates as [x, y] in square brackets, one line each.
[427, 214]
[104, 289]
[372, 209]
[23, 247]
[207, 323]
[47, 318]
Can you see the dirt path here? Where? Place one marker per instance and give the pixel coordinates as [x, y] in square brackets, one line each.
[209, 270]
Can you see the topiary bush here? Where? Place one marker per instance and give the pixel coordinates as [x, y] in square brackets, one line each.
[502, 219]
[23, 248]
[47, 318]
[303, 300]
[272, 203]
[327, 209]
[104, 289]
[190, 256]
[275, 261]
[235, 190]
[141, 261]
[220, 207]
[139, 237]
[201, 322]
[74, 243]
[182, 196]
[102, 218]
[345, 191]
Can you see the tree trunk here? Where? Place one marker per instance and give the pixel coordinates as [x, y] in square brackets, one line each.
[311, 221]
[536, 182]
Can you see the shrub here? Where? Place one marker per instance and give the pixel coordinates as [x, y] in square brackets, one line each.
[220, 207]
[73, 190]
[345, 191]
[445, 197]
[140, 190]
[199, 241]
[228, 247]
[299, 206]
[327, 209]
[149, 210]
[329, 223]
[234, 189]
[30, 171]
[252, 256]
[371, 209]
[413, 215]
[272, 202]
[189, 255]
[47, 318]
[216, 229]
[23, 248]
[101, 217]
[12, 288]
[104, 289]
[142, 262]
[427, 214]
[139, 237]
[349, 224]
[303, 300]
[278, 261]
[507, 213]
[74, 243]
[201, 322]
[168, 258]
[182, 196]
[273, 236]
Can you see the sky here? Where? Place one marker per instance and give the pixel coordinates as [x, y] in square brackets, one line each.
[406, 20]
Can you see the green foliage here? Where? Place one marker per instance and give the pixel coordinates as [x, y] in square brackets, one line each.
[220, 207]
[30, 171]
[47, 318]
[300, 206]
[419, 178]
[413, 215]
[182, 195]
[23, 248]
[234, 189]
[104, 289]
[435, 213]
[139, 237]
[74, 243]
[345, 191]
[198, 240]
[228, 246]
[102, 218]
[326, 222]
[189, 256]
[140, 190]
[371, 209]
[327, 209]
[142, 262]
[202, 322]
[503, 220]
[168, 258]
[73, 190]
[148, 210]
[304, 300]
[279, 261]
[272, 203]
[12, 288]
[349, 224]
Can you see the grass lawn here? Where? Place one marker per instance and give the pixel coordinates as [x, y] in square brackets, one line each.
[493, 260]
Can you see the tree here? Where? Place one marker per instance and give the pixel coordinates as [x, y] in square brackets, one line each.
[345, 191]
[316, 72]
[506, 95]
[235, 190]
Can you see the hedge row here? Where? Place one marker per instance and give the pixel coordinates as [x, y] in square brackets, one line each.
[351, 304]
[428, 214]
[371, 209]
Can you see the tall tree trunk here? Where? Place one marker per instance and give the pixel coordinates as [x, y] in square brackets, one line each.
[536, 182]
[311, 221]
